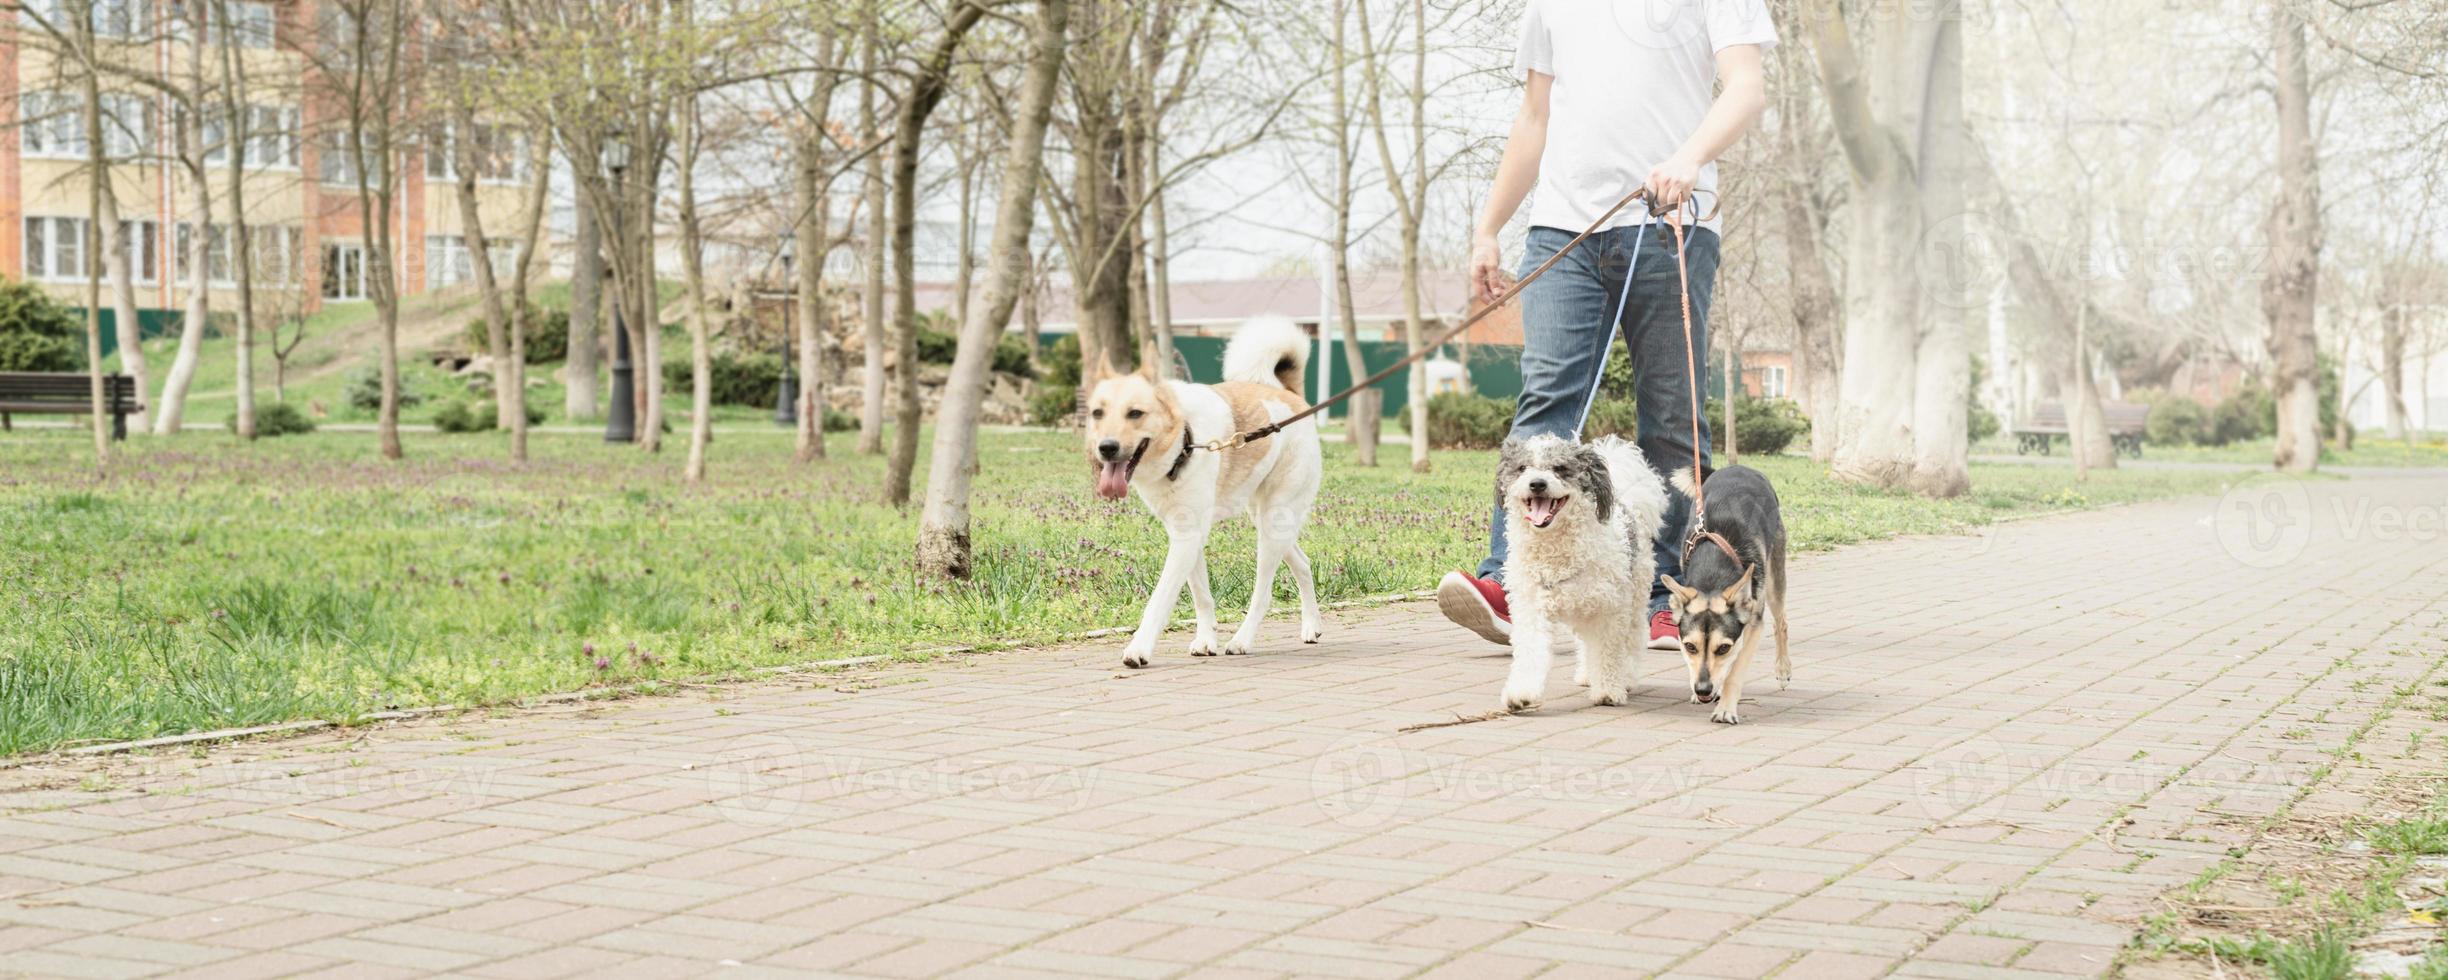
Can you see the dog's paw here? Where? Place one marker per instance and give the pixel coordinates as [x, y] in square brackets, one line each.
[1613, 698]
[1135, 656]
[1521, 698]
[1312, 634]
[1237, 648]
[1204, 646]
[1726, 713]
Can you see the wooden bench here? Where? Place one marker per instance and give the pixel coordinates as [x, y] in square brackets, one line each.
[2126, 422]
[32, 393]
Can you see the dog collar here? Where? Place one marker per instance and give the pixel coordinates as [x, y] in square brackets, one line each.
[1182, 458]
[1717, 539]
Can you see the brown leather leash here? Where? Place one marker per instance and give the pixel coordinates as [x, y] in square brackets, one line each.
[1691, 367]
[1240, 439]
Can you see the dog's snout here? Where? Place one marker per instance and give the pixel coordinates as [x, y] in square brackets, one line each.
[1538, 484]
[1704, 688]
[1109, 449]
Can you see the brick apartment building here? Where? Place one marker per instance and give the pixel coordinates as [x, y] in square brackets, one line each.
[301, 201]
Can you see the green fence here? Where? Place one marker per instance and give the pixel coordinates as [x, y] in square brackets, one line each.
[150, 323]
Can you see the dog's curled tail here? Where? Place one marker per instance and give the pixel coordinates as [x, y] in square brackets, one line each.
[1268, 350]
[1680, 479]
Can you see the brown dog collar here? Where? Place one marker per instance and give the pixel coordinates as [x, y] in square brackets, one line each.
[1182, 458]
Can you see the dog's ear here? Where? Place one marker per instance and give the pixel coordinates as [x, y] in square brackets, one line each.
[1738, 595]
[1596, 481]
[1683, 594]
[1148, 359]
[1510, 458]
[1099, 368]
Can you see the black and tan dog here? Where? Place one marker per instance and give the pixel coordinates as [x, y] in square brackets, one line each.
[1734, 578]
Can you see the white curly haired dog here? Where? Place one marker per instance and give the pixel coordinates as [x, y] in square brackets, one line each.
[1578, 522]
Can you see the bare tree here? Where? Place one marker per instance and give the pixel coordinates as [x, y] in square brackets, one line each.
[2291, 293]
[927, 89]
[1901, 412]
[943, 536]
[871, 373]
[1410, 202]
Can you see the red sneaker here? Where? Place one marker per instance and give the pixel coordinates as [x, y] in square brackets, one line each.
[1663, 633]
[1477, 605]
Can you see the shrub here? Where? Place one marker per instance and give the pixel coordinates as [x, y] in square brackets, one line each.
[36, 332]
[936, 346]
[1457, 420]
[364, 391]
[1011, 356]
[2248, 414]
[836, 420]
[2174, 419]
[275, 419]
[1612, 417]
[477, 415]
[1764, 425]
[1052, 404]
[547, 335]
[1062, 361]
[753, 380]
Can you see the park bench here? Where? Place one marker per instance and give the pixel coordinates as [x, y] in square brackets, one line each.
[42, 393]
[2048, 422]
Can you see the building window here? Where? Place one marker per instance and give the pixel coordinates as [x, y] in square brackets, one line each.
[336, 166]
[446, 261]
[1772, 381]
[253, 25]
[272, 136]
[49, 125]
[54, 125]
[54, 248]
[344, 271]
[276, 255]
[113, 20]
[500, 150]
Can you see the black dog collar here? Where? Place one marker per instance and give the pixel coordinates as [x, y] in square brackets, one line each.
[1182, 458]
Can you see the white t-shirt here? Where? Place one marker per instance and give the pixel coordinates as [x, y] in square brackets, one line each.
[1633, 79]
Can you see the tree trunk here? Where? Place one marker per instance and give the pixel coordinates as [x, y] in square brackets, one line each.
[122, 256]
[815, 215]
[964, 265]
[539, 197]
[1100, 291]
[692, 270]
[241, 238]
[97, 173]
[2289, 293]
[1813, 296]
[926, 91]
[871, 375]
[2392, 367]
[480, 258]
[647, 325]
[1362, 419]
[943, 534]
[580, 399]
[171, 413]
[1901, 413]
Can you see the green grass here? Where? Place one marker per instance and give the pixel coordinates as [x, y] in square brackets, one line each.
[2370, 449]
[2325, 954]
[205, 583]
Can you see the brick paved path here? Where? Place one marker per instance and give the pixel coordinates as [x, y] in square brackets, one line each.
[1996, 753]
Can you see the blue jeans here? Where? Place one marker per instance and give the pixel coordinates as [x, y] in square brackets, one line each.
[1567, 330]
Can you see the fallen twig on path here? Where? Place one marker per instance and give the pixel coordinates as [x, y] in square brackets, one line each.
[1457, 720]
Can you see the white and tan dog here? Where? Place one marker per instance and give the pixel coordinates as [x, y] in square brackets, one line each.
[1578, 523]
[1143, 433]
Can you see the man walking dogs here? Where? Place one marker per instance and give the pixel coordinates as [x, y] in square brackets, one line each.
[1618, 96]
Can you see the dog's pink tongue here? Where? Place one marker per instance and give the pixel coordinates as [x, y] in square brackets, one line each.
[1113, 480]
[1540, 510]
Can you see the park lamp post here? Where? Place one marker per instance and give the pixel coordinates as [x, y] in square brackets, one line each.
[620, 425]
